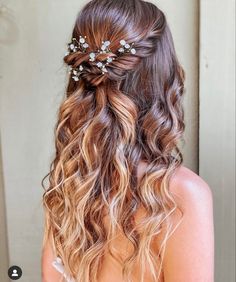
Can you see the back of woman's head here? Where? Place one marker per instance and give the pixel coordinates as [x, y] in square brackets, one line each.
[107, 124]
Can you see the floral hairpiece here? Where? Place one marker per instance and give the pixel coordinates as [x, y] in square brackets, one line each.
[81, 45]
[76, 45]
[104, 49]
[126, 48]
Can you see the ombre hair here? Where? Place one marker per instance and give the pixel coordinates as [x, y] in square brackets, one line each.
[107, 124]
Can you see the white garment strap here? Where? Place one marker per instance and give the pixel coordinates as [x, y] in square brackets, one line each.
[57, 263]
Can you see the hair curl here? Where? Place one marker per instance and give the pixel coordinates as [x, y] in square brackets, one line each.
[106, 125]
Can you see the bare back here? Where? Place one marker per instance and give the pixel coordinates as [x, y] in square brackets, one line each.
[189, 254]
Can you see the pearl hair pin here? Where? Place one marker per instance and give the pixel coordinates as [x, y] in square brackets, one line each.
[82, 46]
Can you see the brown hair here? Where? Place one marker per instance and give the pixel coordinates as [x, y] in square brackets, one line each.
[106, 125]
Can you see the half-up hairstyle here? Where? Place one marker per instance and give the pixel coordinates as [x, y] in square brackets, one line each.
[107, 124]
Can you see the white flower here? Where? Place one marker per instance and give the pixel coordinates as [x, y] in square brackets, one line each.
[92, 56]
[81, 40]
[99, 64]
[109, 60]
[122, 42]
[107, 43]
[133, 51]
[72, 46]
[75, 78]
[85, 45]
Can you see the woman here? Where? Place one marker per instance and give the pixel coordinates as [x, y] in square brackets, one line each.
[120, 205]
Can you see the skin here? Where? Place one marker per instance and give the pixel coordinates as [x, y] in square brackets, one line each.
[189, 254]
[49, 273]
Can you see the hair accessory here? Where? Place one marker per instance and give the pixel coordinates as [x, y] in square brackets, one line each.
[92, 57]
[126, 48]
[104, 49]
[75, 45]
[76, 72]
[81, 45]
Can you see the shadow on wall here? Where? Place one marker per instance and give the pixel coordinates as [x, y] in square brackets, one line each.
[9, 32]
[4, 259]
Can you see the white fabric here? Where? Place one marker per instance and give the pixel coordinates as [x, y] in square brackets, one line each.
[57, 263]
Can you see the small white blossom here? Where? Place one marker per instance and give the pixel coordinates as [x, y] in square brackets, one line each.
[109, 60]
[72, 46]
[82, 40]
[107, 43]
[75, 78]
[121, 50]
[99, 64]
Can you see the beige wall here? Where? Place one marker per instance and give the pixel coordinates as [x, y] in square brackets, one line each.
[4, 260]
[33, 41]
[217, 125]
[184, 23]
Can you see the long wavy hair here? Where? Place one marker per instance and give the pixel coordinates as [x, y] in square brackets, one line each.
[107, 124]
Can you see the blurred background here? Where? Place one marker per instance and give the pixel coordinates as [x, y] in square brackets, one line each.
[33, 38]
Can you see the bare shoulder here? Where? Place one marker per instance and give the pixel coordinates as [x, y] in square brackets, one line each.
[189, 255]
[189, 188]
[48, 271]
